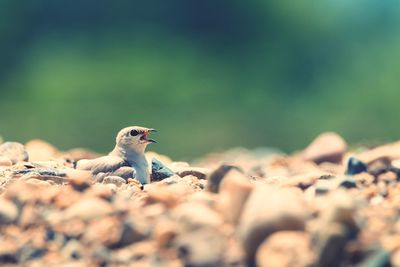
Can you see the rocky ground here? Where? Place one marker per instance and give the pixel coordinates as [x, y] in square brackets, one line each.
[324, 206]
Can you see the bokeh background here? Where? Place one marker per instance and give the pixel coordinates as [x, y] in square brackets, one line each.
[209, 75]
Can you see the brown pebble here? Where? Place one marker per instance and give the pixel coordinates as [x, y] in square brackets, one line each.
[327, 147]
[275, 251]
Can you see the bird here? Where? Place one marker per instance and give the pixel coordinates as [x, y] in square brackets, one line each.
[126, 160]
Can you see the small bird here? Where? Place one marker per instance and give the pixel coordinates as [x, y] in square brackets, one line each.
[126, 160]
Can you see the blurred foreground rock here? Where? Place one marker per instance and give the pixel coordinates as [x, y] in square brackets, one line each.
[324, 206]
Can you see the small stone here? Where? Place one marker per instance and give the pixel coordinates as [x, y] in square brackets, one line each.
[200, 173]
[193, 216]
[39, 150]
[14, 151]
[88, 208]
[118, 181]
[302, 181]
[201, 248]
[379, 166]
[79, 180]
[159, 171]
[380, 258]
[8, 211]
[328, 147]
[332, 244]
[5, 161]
[355, 166]
[348, 183]
[286, 249]
[234, 191]
[215, 178]
[264, 214]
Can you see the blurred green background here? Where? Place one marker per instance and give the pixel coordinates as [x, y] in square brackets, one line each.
[209, 74]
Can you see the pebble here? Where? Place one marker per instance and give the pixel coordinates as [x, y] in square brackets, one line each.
[263, 215]
[327, 147]
[332, 246]
[118, 181]
[355, 166]
[201, 248]
[194, 215]
[215, 177]
[234, 190]
[200, 173]
[39, 150]
[159, 171]
[14, 151]
[5, 161]
[258, 210]
[8, 211]
[88, 208]
[274, 251]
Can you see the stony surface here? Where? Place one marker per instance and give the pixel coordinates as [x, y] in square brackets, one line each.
[324, 206]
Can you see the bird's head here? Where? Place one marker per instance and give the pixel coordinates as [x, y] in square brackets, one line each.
[135, 138]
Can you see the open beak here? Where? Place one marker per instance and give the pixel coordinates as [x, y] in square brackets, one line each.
[145, 136]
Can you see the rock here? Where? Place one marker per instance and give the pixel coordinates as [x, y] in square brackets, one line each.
[355, 166]
[39, 150]
[159, 171]
[379, 166]
[275, 251]
[264, 214]
[42, 172]
[328, 147]
[88, 208]
[380, 258]
[332, 246]
[234, 191]
[215, 178]
[8, 211]
[168, 195]
[112, 233]
[5, 161]
[340, 208]
[14, 151]
[302, 181]
[118, 181]
[201, 248]
[78, 179]
[347, 182]
[200, 173]
[193, 216]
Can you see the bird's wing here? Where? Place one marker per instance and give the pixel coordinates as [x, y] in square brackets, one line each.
[104, 164]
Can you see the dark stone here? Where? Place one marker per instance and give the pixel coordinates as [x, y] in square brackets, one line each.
[42, 172]
[380, 258]
[355, 166]
[14, 151]
[159, 171]
[379, 166]
[332, 246]
[348, 183]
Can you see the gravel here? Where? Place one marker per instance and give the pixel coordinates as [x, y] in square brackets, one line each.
[323, 206]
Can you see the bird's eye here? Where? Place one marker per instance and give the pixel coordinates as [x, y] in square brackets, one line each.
[133, 133]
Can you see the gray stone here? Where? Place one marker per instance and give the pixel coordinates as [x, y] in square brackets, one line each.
[159, 171]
